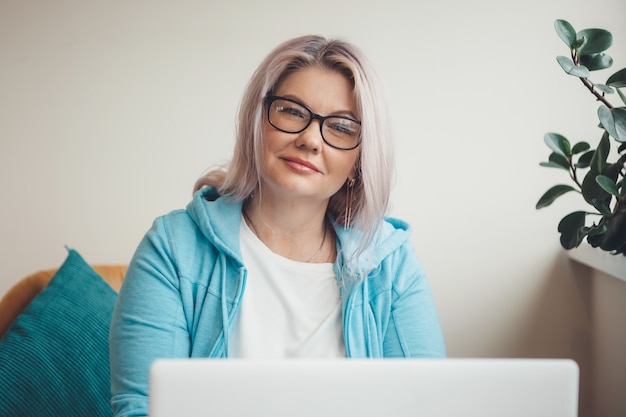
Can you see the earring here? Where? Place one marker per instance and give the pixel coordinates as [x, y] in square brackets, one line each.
[347, 217]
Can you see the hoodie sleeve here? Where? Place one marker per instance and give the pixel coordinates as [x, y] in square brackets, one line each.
[414, 329]
[148, 322]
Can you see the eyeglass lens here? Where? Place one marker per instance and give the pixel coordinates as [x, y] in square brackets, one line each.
[292, 117]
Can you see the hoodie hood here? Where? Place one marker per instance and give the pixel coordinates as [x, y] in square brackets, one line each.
[218, 218]
[392, 234]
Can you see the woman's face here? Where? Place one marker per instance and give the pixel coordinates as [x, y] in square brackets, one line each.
[301, 165]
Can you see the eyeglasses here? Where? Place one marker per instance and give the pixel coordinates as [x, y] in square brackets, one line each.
[289, 116]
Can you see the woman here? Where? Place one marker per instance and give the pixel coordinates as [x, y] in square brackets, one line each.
[287, 253]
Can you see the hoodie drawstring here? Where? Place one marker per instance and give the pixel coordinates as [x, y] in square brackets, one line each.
[366, 318]
[225, 322]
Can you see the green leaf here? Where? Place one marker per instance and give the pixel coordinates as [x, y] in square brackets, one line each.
[615, 239]
[614, 121]
[584, 161]
[604, 88]
[594, 41]
[552, 194]
[572, 229]
[580, 147]
[595, 62]
[596, 235]
[552, 165]
[566, 32]
[618, 79]
[579, 43]
[558, 160]
[590, 189]
[619, 116]
[598, 161]
[572, 69]
[621, 95]
[602, 206]
[607, 185]
[558, 143]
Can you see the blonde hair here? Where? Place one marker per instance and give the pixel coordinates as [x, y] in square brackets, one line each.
[374, 171]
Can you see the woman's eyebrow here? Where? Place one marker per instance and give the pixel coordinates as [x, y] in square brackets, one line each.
[295, 98]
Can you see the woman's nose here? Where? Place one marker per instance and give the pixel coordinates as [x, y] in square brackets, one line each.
[311, 137]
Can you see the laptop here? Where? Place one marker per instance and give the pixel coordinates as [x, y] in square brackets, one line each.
[364, 388]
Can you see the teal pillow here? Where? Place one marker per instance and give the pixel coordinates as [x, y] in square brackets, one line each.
[54, 360]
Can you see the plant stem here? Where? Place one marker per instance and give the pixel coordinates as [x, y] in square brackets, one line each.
[595, 92]
[589, 84]
[572, 174]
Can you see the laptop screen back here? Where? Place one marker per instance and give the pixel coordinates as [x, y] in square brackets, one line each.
[364, 388]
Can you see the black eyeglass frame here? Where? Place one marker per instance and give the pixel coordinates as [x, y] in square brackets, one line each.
[270, 98]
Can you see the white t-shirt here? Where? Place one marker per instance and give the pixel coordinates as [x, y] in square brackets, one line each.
[289, 309]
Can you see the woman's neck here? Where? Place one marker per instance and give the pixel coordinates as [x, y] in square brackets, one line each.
[297, 231]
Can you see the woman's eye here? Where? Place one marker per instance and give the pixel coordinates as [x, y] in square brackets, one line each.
[290, 111]
[343, 127]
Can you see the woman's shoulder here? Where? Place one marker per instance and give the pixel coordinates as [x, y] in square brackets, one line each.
[176, 221]
[189, 245]
[205, 225]
[177, 233]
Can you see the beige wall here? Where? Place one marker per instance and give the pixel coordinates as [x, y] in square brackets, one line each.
[608, 360]
[109, 111]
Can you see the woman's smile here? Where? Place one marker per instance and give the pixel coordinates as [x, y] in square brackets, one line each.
[301, 165]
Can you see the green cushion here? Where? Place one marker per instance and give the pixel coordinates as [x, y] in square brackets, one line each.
[54, 360]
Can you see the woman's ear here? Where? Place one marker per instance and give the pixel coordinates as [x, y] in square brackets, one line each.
[354, 173]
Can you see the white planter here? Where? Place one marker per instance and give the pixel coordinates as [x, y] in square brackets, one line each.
[614, 265]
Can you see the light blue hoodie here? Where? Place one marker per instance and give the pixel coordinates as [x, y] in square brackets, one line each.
[185, 282]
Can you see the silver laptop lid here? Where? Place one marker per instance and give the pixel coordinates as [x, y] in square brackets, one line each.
[364, 388]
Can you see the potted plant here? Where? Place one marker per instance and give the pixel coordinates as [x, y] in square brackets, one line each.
[602, 184]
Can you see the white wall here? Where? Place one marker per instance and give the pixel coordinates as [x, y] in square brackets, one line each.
[109, 110]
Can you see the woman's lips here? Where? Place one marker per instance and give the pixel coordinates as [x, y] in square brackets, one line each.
[300, 164]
